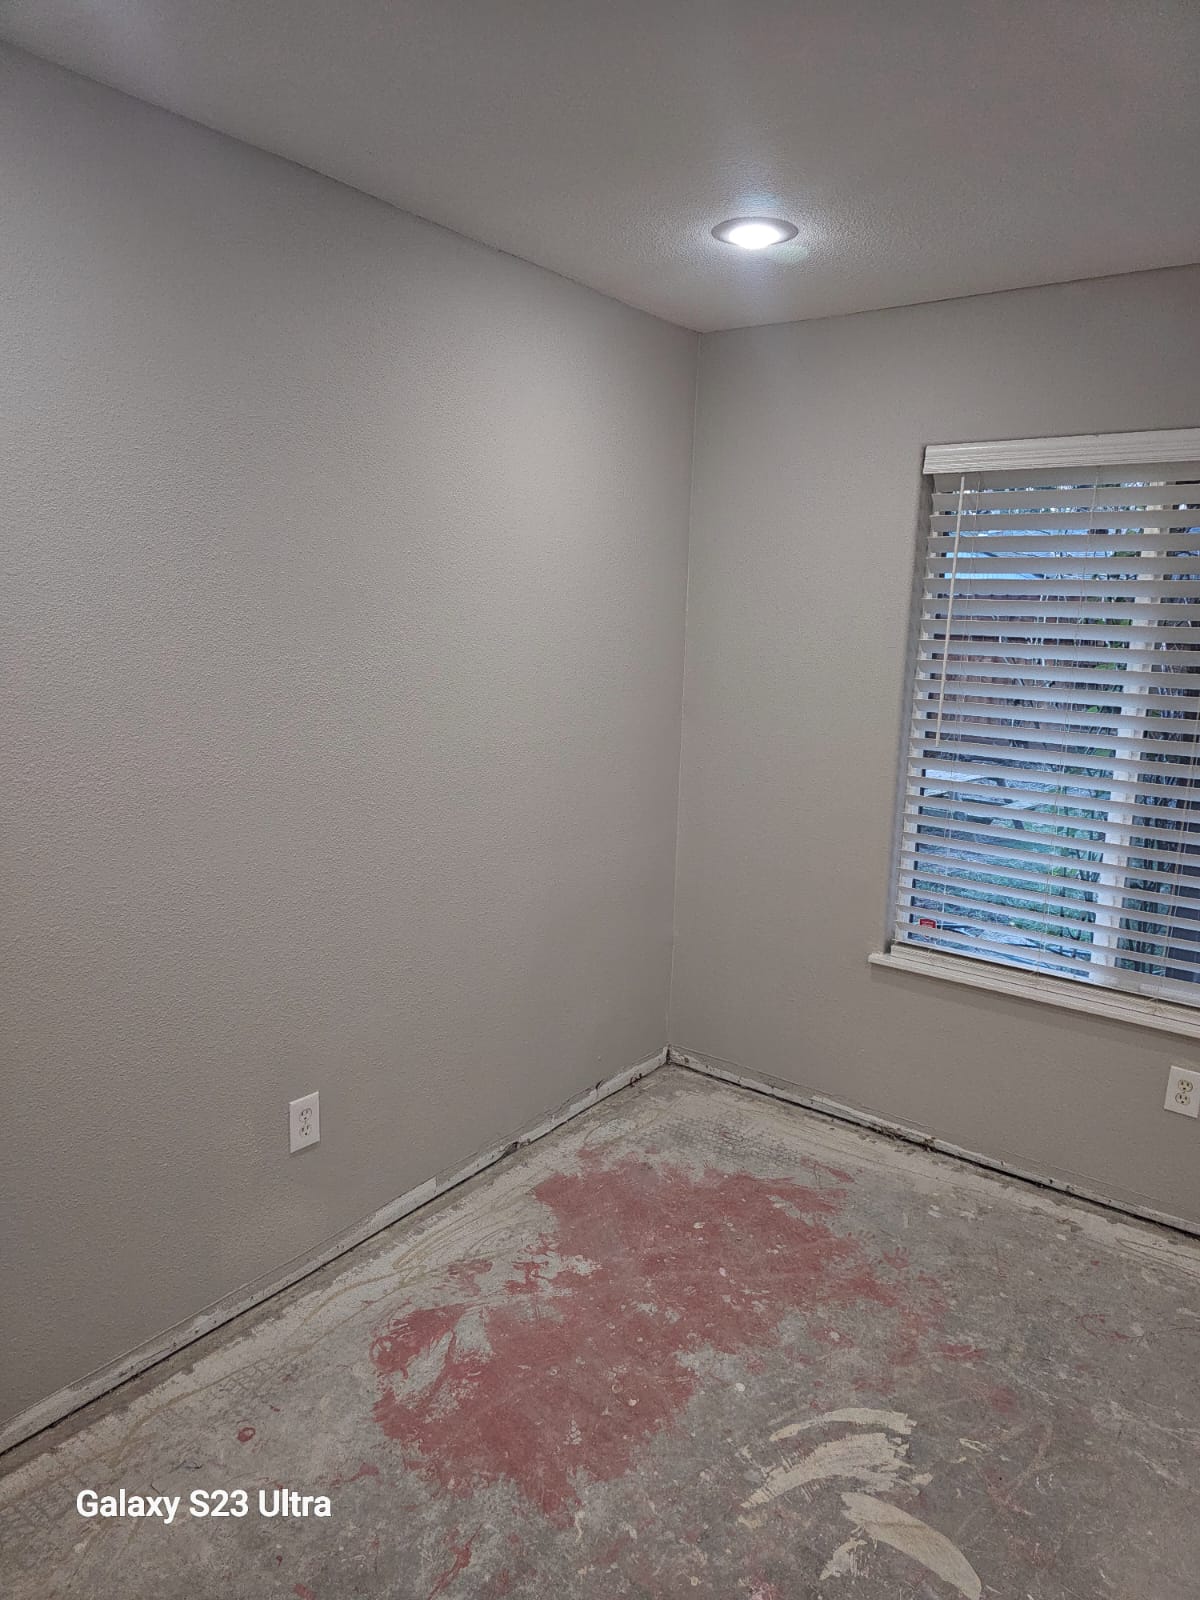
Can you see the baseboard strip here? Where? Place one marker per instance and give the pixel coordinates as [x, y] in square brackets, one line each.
[59, 1405]
[778, 1090]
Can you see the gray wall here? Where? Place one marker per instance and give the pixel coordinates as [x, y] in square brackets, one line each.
[808, 461]
[343, 577]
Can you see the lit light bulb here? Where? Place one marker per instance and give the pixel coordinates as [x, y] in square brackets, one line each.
[754, 233]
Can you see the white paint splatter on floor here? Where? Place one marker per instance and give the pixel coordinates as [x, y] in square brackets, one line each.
[889, 1525]
[879, 1461]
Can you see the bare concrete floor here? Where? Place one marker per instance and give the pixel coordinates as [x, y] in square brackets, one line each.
[695, 1343]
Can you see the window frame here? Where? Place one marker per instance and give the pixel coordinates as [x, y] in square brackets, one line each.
[1165, 447]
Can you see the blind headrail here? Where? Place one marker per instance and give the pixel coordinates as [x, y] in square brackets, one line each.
[1071, 450]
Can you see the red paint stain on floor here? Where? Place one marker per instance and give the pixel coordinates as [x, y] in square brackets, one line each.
[245, 1434]
[365, 1470]
[564, 1376]
[468, 1272]
[462, 1560]
[838, 1174]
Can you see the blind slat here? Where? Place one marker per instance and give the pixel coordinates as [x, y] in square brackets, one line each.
[1035, 767]
[1113, 498]
[1088, 573]
[1025, 672]
[986, 704]
[985, 738]
[1003, 542]
[1068, 641]
[1046, 592]
[1163, 515]
[1046, 614]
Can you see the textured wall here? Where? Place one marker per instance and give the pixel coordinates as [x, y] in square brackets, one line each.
[343, 576]
[808, 460]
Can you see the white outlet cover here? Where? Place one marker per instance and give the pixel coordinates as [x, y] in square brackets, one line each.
[1183, 1091]
[304, 1122]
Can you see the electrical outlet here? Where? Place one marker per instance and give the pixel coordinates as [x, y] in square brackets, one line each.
[1183, 1091]
[304, 1122]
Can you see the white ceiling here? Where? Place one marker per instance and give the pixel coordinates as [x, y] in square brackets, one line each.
[926, 148]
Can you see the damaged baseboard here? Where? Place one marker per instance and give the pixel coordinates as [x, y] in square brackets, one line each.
[710, 1067]
[71, 1398]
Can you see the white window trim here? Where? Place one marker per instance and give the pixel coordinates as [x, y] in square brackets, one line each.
[1065, 993]
[1071, 450]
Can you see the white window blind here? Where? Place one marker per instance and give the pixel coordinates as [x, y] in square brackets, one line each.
[1051, 813]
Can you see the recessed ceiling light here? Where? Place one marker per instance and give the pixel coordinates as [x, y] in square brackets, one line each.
[754, 233]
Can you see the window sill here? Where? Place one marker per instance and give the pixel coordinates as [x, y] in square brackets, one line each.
[1137, 1009]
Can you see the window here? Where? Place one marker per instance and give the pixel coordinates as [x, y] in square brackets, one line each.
[1051, 810]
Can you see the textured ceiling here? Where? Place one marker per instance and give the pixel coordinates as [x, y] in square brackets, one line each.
[926, 148]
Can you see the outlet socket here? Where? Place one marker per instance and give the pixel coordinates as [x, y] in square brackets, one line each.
[304, 1122]
[1183, 1091]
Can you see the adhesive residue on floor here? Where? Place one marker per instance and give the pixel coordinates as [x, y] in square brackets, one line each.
[694, 1343]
